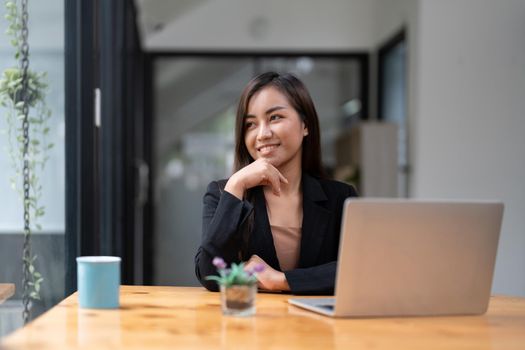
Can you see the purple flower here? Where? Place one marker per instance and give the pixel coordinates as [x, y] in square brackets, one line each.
[219, 263]
[258, 268]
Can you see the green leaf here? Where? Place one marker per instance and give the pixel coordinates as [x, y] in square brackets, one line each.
[230, 278]
[31, 269]
[214, 278]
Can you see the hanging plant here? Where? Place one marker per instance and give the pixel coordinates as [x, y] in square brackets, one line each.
[23, 96]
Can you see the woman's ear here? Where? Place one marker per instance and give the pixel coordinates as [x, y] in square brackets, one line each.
[305, 131]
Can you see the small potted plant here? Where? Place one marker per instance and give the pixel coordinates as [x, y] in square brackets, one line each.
[238, 287]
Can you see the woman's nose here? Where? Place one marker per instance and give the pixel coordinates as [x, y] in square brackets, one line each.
[264, 132]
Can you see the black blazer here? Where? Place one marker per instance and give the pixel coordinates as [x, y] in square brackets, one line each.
[224, 216]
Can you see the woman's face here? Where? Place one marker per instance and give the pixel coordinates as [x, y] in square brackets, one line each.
[273, 129]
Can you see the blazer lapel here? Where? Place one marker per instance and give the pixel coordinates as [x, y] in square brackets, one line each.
[315, 221]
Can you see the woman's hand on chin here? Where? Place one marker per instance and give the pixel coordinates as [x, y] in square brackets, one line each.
[259, 172]
[269, 278]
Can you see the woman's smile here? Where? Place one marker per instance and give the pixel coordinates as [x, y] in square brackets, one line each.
[267, 148]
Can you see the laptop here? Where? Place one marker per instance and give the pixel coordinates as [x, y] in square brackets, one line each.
[405, 257]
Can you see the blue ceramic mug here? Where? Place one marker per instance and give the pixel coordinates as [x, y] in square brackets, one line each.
[98, 282]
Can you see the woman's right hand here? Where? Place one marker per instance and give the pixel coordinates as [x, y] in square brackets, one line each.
[259, 172]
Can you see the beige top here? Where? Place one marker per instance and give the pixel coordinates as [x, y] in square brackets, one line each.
[287, 241]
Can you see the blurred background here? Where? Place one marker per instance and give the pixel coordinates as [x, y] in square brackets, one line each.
[416, 98]
[431, 91]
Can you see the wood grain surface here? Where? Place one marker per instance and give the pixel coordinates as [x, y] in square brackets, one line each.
[6, 291]
[190, 318]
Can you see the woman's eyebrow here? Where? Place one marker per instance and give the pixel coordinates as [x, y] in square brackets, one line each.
[273, 109]
[268, 111]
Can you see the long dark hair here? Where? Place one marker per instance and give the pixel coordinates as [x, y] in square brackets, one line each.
[298, 96]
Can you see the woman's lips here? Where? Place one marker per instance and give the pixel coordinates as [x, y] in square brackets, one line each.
[267, 149]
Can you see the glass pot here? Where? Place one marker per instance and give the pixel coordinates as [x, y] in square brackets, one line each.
[238, 300]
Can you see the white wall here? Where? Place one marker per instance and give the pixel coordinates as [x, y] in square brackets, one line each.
[469, 121]
[272, 24]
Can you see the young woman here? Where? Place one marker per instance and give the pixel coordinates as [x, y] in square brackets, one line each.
[277, 209]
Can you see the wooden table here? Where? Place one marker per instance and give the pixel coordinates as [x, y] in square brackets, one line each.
[190, 318]
[6, 291]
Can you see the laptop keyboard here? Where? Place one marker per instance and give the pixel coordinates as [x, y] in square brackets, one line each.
[326, 306]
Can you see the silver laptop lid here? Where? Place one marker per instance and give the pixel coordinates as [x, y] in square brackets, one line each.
[411, 257]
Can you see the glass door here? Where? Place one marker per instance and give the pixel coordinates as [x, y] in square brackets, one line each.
[46, 162]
